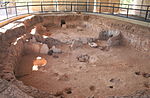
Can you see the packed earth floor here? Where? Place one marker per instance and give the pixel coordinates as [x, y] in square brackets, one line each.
[114, 71]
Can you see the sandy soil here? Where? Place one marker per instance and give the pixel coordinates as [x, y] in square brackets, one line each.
[108, 73]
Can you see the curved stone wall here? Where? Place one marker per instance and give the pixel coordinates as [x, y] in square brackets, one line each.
[12, 42]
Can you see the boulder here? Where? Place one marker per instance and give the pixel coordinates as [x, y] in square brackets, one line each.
[44, 49]
[115, 40]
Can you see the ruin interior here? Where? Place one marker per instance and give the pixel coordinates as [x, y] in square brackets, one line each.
[74, 55]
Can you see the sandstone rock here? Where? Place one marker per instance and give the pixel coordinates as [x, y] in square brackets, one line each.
[44, 49]
[115, 40]
[103, 35]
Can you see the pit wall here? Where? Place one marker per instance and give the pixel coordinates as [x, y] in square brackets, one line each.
[133, 35]
[10, 52]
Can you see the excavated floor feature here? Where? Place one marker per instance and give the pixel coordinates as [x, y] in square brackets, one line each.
[115, 71]
[74, 55]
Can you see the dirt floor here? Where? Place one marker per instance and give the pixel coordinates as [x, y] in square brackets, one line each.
[113, 72]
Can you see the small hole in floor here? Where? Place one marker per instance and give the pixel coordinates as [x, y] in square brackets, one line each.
[138, 73]
[110, 86]
[92, 88]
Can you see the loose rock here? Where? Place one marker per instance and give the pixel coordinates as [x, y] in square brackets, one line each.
[115, 39]
[93, 45]
[146, 75]
[50, 52]
[83, 58]
[44, 49]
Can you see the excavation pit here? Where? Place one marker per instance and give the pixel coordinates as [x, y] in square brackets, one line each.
[87, 57]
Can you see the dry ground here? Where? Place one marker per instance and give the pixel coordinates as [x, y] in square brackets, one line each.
[108, 73]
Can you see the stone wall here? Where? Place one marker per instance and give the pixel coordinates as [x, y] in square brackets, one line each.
[12, 42]
[133, 35]
[12, 46]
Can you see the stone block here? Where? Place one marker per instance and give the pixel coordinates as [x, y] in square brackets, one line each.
[44, 49]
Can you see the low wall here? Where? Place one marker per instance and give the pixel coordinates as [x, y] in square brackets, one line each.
[12, 46]
[12, 41]
[133, 35]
